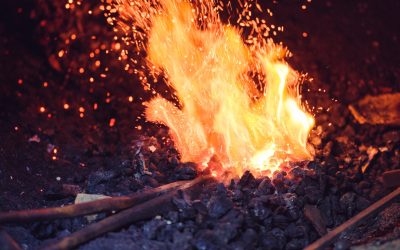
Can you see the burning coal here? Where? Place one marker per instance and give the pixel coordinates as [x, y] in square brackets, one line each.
[221, 111]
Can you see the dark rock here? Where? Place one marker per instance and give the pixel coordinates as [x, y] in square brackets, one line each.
[173, 216]
[237, 195]
[364, 184]
[258, 209]
[389, 217]
[219, 205]
[297, 172]
[208, 240]
[135, 185]
[274, 200]
[268, 225]
[173, 160]
[290, 200]
[312, 194]
[79, 178]
[180, 203]
[294, 231]
[313, 165]
[151, 228]
[277, 237]
[181, 240]
[270, 242]
[362, 203]
[326, 211]
[342, 244]
[152, 182]
[280, 221]
[331, 163]
[247, 240]
[54, 193]
[313, 214]
[97, 178]
[226, 231]
[265, 187]
[247, 179]
[221, 189]
[188, 213]
[199, 206]
[43, 230]
[296, 244]
[347, 202]
[186, 171]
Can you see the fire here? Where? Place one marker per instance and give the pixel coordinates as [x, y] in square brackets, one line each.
[221, 111]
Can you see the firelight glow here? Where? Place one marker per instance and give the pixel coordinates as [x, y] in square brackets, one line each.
[222, 112]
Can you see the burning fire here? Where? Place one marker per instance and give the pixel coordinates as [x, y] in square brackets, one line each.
[237, 102]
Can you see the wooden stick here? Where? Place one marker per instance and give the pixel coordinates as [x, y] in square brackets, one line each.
[332, 235]
[7, 242]
[91, 207]
[143, 211]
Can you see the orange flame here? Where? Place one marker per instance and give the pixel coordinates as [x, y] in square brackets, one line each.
[223, 113]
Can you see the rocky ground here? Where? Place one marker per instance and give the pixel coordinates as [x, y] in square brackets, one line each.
[99, 143]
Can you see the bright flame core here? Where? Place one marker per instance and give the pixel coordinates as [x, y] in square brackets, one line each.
[223, 113]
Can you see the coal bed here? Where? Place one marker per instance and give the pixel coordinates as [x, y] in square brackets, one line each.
[72, 129]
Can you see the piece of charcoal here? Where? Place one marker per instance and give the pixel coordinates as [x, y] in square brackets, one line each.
[313, 214]
[342, 244]
[186, 171]
[296, 244]
[247, 179]
[98, 177]
[269, 242]
[226, 231]
[208, 240]
[348, 204]
[219, 205]
[294, 231]
[199, 206]
[258, 209]
[247, 240]
[151, 228]
[280, 221]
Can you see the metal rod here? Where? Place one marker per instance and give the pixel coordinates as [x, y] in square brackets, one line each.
[91, 207]
[143, 211]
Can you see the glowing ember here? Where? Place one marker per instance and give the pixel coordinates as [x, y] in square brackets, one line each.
[223, 112]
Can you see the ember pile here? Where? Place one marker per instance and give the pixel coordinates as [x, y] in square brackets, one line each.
[93, 140]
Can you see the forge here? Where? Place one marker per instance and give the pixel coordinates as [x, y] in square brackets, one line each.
[192, 124]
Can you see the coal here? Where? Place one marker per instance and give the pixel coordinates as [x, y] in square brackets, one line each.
[247, 180]
[219, 205]
[258, 209]
[247, 240]
[348, 204]
[207, 239]
[96, 179]
[253, 212]
[186, 171]
[313, 214]
[296, 244]
[342, 244]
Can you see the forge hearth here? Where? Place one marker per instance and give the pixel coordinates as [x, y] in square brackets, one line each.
[72, 124]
